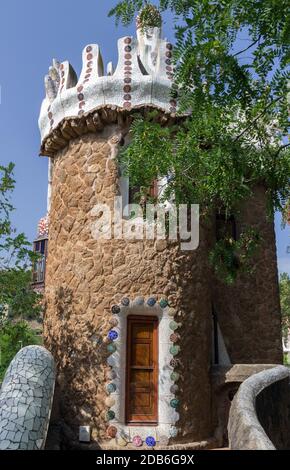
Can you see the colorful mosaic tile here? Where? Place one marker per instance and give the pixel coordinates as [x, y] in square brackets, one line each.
[113, 335]
[116, 309]
[112, 431]
[174, 350]
[137, 441]
[111, 388]
[173, 325]
[150, 441]
[111, 348]
[125, 302]
[174, 403]
[175, 376]
[151, 302]
[163, 303]
[110, 415]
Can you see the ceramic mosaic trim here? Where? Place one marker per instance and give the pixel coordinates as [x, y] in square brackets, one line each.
[168, 402]
[43, 225]
[26, 400]
[143, 77]
[92, 68]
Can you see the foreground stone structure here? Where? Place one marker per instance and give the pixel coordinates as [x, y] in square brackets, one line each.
[94, 286]
[26, 400]
[260, 416]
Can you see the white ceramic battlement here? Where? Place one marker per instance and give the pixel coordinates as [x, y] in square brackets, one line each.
[142, 78]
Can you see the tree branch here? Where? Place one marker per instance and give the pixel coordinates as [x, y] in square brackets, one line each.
[247, 48]
[257, 118]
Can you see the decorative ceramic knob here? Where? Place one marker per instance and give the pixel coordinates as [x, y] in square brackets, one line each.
[150, 441]
[113, 335]
[125, 302]
[174, 403]
[111, 388]
[115, 309]
[137, 441]
[174, 350]
[173, 325]
[163, 303]
[174, 376]
[151, 302]
[110, 415]
[111, 348]
[112, 431]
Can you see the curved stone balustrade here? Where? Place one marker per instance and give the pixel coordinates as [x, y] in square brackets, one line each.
[259, 417]
[26, 400]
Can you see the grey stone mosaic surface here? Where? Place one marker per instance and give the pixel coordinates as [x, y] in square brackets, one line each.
[26, 399]
[245, 430]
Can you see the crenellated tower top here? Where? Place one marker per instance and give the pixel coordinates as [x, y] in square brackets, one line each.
[141, 79]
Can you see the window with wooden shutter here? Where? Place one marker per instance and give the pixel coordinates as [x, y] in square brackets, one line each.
[142, 370]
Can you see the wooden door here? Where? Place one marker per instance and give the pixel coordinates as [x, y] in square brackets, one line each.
[142, 370]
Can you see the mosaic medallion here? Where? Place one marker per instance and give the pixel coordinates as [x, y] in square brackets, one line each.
[163, 303]
[173, 325]
[111, 348]
[113, 322]
[150, 441]
[112, 431]
[111, 387]
[115, 309]
[110, 415]
[109, 402]
[125, 302]
[174, 337]
[174, 376]
[137, 441]
[174, 363]
[151, 302]
[174, 389]
[174, 350]
[113, 335]
[171, 312]
[174, 403]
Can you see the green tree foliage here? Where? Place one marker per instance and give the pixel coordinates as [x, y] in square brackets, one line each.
[17, 298]
[236, 134]
[285, 302]
[14, 336]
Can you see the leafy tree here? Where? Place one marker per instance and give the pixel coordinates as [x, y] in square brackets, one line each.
[17, 298]
[235, 136]
[14, 336]
[285, 302]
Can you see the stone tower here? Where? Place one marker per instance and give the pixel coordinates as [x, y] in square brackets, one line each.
[130, 322]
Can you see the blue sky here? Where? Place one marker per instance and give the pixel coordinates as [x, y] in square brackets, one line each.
[31, 34]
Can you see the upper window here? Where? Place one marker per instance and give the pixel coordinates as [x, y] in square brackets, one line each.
[38, 269]
[142, 370]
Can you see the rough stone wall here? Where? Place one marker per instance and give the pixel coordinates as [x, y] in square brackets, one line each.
[86, 277]
[249, 311]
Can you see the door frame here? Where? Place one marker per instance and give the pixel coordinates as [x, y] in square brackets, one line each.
[155, 321]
